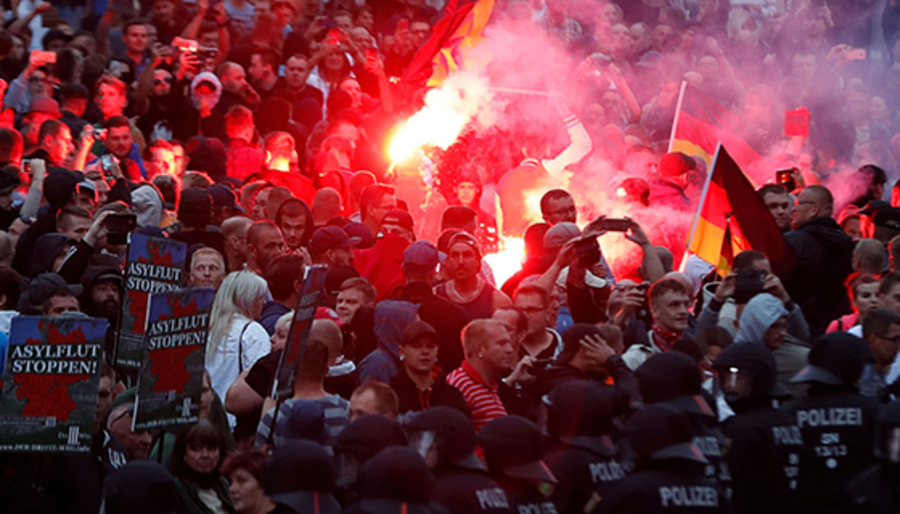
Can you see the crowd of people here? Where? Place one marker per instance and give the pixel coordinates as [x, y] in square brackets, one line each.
[595, 378]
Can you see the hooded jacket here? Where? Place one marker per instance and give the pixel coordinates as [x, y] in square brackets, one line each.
[383, 265]
[824, 255]
[412, 399]
[391, 317]
[46, 250]
[762, 311]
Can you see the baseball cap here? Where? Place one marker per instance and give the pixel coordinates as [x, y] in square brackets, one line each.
[39, 290]
[331, 238]
[421, 256]
[837, 358]
[560, 234]
[140, 487]
[662, 432]
[675, 164]
[45, 105]
[59, 187]
[8, 181]
[415, 330]
[466, 239]
[399, 217]
[223, 196]
[337, 275]
[888, 217]
[366, 239]
[512, 446]
[195, 200]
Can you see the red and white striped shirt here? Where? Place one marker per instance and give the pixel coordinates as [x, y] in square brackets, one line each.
[482, 399]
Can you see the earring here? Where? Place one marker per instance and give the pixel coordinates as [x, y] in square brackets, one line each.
[480, 355]
[401, 358]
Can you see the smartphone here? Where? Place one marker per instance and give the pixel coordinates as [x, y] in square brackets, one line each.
[615, 224]
[588, 251]
[47, 57]
[749, 283]
[207, 53]
[333, 37]
[785, 177]
[106, 163]
[185, 45]
[118, 226]
[856, 54]
[26, 167]
[100, 133]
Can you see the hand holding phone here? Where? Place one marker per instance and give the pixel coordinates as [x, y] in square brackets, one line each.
[785, 177]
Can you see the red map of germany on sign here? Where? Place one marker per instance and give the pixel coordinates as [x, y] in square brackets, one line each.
[167, 365]
[48, 395]
[137, 306]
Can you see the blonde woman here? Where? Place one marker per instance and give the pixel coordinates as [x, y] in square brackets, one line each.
[236, 341]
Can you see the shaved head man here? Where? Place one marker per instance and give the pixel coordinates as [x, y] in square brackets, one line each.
[326, 205]
[813, 202]
[234, 230]
[264, 243]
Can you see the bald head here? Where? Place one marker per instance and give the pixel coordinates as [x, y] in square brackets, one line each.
[869, 257]
[261, 230]
[236, 226]
[327, 332]
[822, 196]
[813, 202]
[326, 205]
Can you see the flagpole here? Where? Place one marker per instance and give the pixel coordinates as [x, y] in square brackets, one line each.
[700, 205]
[677, 115]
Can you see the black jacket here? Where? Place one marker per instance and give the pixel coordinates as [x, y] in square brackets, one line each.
[838, 427]
[447, 318]
[583, 466]
[413, 399]
[824, 256]
[764, 458]
[673, 486]
[626, 385]
[467, 491]
[875, 491]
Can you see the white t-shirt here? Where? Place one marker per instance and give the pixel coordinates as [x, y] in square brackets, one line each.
[224, 367]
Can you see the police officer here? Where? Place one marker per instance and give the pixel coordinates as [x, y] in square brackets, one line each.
[669, 477]
[836, 421]
[512, 449]
[766, 444]
[875, 490]
[581, 452]
[675, 379]
[446, 438]
[360, 441]
[395, 480]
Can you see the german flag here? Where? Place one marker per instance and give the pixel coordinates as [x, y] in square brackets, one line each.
[732, 218]
[701, 124]
[445, 51]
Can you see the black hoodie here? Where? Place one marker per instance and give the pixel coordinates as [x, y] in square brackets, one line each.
[413, 399]
[824, 259]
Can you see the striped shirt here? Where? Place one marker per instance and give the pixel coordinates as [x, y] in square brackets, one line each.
[337, 416]
[482, 399]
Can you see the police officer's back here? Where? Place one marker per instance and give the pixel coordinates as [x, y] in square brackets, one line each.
[877, 490]
[397, 480]
[766, 444]
[581, 451]
[360, 441]
[836, 421]
[675, 379]
[447, 437]
[669, 477]
[512, 450]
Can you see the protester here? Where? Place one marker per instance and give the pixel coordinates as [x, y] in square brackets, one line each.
[199, 452]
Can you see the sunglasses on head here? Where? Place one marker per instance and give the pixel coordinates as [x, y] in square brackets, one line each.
[167, 80]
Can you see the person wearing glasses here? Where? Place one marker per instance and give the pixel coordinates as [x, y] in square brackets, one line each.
[881, 329]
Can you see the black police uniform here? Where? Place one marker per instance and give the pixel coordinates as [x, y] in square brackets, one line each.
[766, 444]
[836, 422]
[462, 485]
[396, 480]
[876, 490]
[669, 477]
[580, 450]
[512, 449]
[675, 379]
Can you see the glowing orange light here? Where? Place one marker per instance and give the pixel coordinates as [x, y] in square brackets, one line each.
[621, 193]
[508, 259]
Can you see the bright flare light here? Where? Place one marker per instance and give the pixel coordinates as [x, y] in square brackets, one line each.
[447, 111]
[508, 260]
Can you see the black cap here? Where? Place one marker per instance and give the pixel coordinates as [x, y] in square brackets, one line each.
[674, 378]
[140, 487]
[466, 239]
[579, 412]
[337, 275]
[397, 473]
[512, 446]
[368, 435]
[662, 432]
[571, 340]
[399, 217]
[207, 154]
[59, 186]
[415, 330]
[756, 359]
[331, 238]
[366, 239]
[296, 466]
[454, 431]
[195, 200]
[837, 358]
[39, 290]
[223, 196]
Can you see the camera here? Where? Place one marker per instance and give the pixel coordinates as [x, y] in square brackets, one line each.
[749, 283]
[588, 251]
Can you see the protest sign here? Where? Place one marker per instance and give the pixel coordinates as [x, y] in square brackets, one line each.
[299, 333]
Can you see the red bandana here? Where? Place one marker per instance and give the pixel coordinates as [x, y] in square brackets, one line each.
[665, 339]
